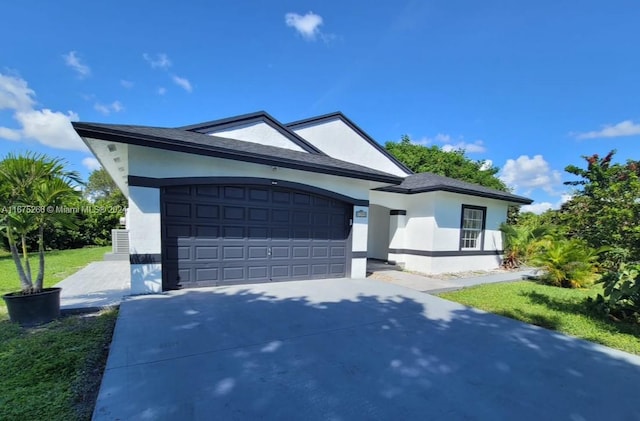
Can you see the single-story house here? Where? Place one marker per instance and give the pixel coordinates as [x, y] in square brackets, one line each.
[248, 199]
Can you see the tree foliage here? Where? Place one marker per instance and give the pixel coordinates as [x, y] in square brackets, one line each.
[605, 208]
[33, 187]
[454, 164]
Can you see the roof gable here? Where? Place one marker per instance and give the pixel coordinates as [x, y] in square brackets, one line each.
[341, 138]
[193, 142]
[258, 127]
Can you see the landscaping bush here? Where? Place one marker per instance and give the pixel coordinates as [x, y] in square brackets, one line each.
[521, 242]
[566, 263]
[621, 298]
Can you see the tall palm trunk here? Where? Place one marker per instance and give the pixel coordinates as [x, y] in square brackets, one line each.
[40, 278]
[25, 282]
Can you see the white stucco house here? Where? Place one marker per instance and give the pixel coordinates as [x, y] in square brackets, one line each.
[249, 199]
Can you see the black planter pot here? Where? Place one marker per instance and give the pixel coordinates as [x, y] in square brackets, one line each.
[33, 309]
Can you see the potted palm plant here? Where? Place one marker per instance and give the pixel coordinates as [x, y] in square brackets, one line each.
[33, 190]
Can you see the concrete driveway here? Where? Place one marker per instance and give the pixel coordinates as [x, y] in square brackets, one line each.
[348, 350]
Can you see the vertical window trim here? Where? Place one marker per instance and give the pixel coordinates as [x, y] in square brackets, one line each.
[484, 225]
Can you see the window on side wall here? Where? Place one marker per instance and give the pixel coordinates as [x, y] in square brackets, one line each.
[472, 227]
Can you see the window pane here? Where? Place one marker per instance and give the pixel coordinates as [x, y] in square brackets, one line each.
[471, 229]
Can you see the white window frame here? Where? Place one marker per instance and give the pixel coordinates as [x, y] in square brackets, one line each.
[472, 226]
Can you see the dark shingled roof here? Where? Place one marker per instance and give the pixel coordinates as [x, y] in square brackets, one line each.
[181, 140]
[426, 182]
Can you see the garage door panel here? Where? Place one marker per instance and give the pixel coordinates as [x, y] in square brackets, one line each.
[258, 272]
[176, 231]
[234, 192]
[178, 253]
[320, 269]
[207, 231]
[258, 194]
[338, 269]
[233, 232]
[212, 192]
[280, 252]
[208, 211]
[223, 235]
[281, 197]
[233, 273]
[206, 252]
[258, 252]
[234, 213]
[178, 210]
[233, 252]
[258, 215]
[207, 274]
[280, 271]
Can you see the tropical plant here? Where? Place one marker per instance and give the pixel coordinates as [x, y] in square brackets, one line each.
[621, 297]
[605, 207]
[33, 189]
[521, 242]
[566, 263]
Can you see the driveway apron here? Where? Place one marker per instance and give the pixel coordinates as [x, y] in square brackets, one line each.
[350, 349]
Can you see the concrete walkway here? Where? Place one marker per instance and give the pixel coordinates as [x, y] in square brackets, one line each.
[433, 284]
[99, 285]
[350, 349]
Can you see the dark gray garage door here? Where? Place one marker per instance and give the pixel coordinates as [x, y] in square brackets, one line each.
[217, 235]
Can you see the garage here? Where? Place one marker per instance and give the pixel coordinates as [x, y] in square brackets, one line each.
[231, 234]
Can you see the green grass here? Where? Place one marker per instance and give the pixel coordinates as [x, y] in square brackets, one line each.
[553, 308]
[58, 266]
[53, 372]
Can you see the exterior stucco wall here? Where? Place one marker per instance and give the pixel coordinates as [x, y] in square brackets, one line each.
[144, 203]
[448, 214]
[338, 140]
[378, 235]
[432, 226]
[257, 132]
[144, 238]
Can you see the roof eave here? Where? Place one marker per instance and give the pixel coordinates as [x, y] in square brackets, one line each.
[85, 130]
[505, 197]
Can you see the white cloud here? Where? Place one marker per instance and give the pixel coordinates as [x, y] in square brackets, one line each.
[106, 109]
[127, 84]
[307, 25]
[72, 60]
[50, 128]
[182, 82]
[624, 128]
[542, 207]
[15, 94]
[91, 163]
[161, 90]
[451, 143]
[487, 164]
[527, 174]
[9, 134]
[472, 147]
[159, 61]
[537, 208]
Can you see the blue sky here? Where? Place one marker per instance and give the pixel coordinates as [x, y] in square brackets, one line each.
[529, 86]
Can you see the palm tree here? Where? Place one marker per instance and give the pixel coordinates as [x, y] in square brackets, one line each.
[32, 188]
[521, 242]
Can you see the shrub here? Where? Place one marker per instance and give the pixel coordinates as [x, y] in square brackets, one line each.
[566, 263]
[521, 243]
[621, 299]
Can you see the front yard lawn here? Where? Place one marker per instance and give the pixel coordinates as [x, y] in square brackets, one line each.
[553, 308]
[52, 372]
